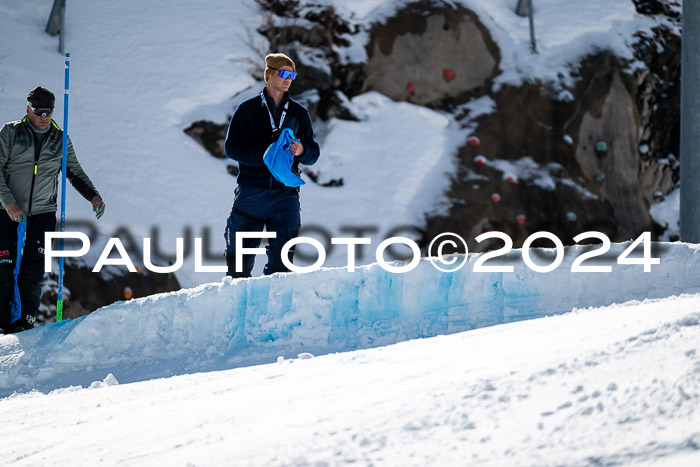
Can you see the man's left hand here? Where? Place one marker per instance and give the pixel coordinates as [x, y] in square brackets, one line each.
[98, 206]
[296, 148]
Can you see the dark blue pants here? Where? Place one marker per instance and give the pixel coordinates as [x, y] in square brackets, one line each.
[257, 208]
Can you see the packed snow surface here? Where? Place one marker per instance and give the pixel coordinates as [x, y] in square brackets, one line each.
[285, 370]
[616, 385]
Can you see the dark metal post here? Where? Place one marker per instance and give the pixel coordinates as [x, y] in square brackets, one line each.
[524, 7]
[690, 123]
[56, 23]
[53, 26]
[531, 14]
[61, 33]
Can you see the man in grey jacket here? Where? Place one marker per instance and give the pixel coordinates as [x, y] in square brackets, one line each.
[30, 161]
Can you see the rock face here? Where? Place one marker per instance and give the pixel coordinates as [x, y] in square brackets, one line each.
[430, 60]
[568, 188]
[617, 125]
[594, 157]
[562, 158]
[210, 135]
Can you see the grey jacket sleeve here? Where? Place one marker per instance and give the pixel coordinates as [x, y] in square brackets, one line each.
[6, 134]
[77, 176]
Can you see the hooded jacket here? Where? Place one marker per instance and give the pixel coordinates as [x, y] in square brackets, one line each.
[29, 175]
[249, 135]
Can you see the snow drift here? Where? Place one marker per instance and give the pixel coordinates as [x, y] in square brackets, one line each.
[252, 321]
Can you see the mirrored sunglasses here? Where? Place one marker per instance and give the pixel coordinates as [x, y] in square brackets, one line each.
[284, 74]
[41, 112]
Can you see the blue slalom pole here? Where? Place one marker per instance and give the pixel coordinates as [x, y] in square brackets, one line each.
[16, 307]
[59, 304]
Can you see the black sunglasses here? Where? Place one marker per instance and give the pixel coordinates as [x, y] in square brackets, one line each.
[41, 112]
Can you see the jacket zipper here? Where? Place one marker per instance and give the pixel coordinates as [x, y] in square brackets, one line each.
[37, 151]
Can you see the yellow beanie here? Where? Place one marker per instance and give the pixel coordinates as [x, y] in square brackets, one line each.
[277, 61]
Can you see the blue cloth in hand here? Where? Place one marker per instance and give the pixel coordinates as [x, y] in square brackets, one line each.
[279, 160]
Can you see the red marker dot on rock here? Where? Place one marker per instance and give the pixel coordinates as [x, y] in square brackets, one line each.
[520, 219]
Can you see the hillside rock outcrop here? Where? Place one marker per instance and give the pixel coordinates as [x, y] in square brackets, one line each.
[434, 59]
[564, 158]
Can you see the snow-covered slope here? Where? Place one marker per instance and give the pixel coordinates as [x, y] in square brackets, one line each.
[610, 386]
[142, 72]
[246, 322]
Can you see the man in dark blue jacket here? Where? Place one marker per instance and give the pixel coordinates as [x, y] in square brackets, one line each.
[260, 200]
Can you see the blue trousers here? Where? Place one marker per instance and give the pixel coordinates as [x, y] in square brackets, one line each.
[253, 209]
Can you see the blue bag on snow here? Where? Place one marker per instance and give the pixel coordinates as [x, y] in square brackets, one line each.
[16, 310]
[279, 160]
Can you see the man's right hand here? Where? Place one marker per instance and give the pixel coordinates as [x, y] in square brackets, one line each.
[16, 212]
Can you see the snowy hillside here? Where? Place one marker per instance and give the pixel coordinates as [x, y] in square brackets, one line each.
[332, 367]
[143, 72]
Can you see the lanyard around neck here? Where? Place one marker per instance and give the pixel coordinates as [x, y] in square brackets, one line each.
[272, 120]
